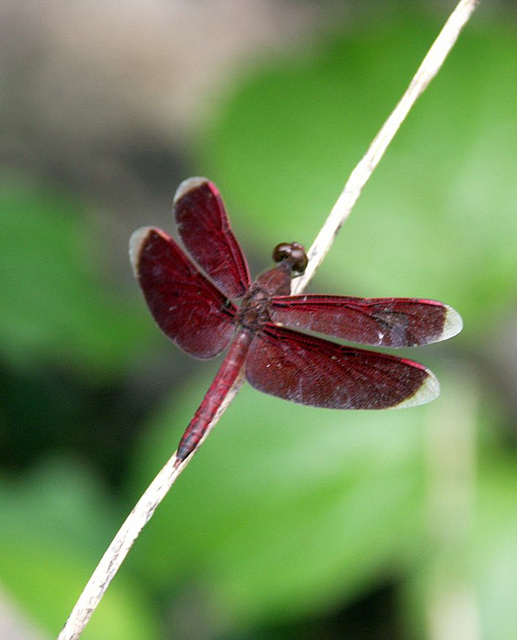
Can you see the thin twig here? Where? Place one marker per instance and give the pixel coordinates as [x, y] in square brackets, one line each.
[158, 489]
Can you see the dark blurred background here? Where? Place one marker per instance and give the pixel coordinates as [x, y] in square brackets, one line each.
[291, 522]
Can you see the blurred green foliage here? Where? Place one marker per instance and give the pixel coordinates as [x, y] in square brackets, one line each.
[289, 512]
[55, 304]
[53, 530]
[308, 506]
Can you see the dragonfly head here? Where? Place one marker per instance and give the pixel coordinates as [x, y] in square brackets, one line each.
[292, 253]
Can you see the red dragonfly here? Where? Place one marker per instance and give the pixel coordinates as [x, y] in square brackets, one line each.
[199, 314]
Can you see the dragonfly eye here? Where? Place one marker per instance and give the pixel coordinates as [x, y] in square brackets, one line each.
[292, 252]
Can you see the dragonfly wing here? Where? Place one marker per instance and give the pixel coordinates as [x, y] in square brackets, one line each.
[382, 322]
[316, 372]
[186, 306]
[205, 231]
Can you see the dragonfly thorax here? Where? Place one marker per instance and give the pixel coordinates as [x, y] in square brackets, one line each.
[254, 311]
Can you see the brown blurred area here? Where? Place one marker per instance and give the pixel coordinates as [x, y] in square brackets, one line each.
[103, 96]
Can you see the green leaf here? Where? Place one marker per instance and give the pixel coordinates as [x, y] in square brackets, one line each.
[54, 527]
[55, 304]
[286, 508]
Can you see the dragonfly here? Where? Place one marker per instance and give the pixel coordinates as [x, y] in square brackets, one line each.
[208, 303]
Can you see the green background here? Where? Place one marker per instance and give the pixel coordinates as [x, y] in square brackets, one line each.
[291, 521]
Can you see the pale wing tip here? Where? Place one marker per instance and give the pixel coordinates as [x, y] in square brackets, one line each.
[136, 242]
[429, 391]
[453, 323]
[188, 185]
